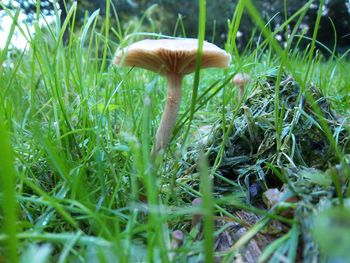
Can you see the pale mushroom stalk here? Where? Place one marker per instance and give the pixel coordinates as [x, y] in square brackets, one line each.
[172, 106]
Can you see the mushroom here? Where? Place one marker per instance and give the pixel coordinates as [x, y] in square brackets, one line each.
[240, 80]
[197, 217]
[172, 58]
[177, 239]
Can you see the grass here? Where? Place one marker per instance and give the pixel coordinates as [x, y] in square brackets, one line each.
[76, 134]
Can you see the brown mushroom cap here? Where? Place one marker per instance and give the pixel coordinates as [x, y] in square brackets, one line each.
[177, 56]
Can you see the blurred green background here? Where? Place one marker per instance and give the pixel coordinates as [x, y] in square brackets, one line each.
[180, 17]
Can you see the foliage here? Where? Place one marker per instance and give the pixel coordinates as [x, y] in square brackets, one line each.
[76, 135]
[29, 7]
[251, 140]
[166, 17]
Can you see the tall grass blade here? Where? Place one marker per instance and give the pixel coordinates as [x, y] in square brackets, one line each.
[208, 208]
[8, 188]
[201, 36]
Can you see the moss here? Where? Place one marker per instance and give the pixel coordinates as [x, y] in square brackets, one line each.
[251, 143]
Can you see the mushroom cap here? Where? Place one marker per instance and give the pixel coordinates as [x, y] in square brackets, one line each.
[177, 235]
[241, 79]
[176, 56]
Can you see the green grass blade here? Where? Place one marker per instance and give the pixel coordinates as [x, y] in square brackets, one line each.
[7, 187]
[201, 36]
[208, 209]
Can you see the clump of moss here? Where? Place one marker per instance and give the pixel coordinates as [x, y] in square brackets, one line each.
[251, 152]
[250, 149]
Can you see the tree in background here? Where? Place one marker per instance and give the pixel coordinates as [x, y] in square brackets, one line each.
[335, 12]
[29, 7]
[165, 17]
[219, 11]
[84, 7]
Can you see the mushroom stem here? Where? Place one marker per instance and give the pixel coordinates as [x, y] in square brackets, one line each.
[174, 94]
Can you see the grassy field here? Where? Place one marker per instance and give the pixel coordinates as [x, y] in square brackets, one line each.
[76, 134]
